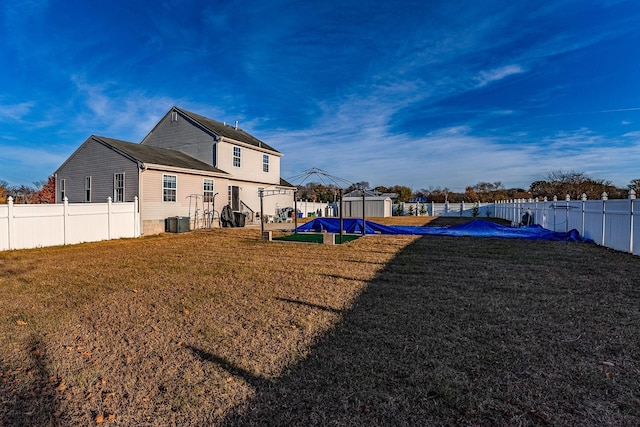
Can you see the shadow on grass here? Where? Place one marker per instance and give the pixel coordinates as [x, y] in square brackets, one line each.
[307, 304]
[230, 367]
[451, 334]
[29, 394]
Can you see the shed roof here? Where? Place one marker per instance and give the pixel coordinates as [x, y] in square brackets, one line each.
[157, 156]
[285, 183]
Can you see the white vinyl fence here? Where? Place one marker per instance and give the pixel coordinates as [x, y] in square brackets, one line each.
[611, 223]
[33, 226]
[311, 208]
[443, 209]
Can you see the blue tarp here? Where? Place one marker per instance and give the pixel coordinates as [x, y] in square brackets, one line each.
[476, 228]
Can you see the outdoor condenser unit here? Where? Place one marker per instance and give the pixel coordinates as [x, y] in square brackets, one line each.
[178, 224]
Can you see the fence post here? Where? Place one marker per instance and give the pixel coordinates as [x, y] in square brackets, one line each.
[604, 197]
[136, 218]
[584, 202]
[65, 218]
[10, 222]
[566, 220]
[109, 217]
[555, 208]
[632, 197]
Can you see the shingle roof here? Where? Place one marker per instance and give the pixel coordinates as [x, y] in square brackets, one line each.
[285, 183]
[158, 156]
[225, 131]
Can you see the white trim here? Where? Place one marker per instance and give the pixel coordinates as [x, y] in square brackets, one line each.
[87, 189]
[210, 192]
[234, 157]
[115, 194]
[169, 188]
[173, 169]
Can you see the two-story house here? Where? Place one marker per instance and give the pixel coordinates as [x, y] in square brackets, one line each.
[187, 165]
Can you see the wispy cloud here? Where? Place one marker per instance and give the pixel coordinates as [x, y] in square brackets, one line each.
[497, 74]
[111, 110]
[20, 162]
[16, 112]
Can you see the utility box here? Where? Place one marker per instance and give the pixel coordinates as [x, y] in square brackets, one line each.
[240, 218]
[178, 224]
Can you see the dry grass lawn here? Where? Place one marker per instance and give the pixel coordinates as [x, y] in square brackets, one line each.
[218, 327]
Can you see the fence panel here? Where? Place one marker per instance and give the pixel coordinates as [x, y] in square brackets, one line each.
[574, 215]
[4, 227]
[87, 223]
[123, 223]
[445, 209]
[593, 220]
[617, 225]
[32, 226]
[635, 228]
[611, 223]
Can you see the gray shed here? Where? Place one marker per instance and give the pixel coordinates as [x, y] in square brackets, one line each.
[374, 206]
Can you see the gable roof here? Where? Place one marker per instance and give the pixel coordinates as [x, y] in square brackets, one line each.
[285, 183]
[157, 156]
[223, 130]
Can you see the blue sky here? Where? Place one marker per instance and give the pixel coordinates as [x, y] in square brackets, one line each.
[423, 94]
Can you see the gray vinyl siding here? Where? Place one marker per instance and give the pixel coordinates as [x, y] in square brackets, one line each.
[100, 163]
[182, 135]
[374, 207]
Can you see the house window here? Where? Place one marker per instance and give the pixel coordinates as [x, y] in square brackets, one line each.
[63, 189]
[207, 190]
[265, 163]
[87, 189]
[118, 187]
[236, 157]
[174, 116]
[169, 188]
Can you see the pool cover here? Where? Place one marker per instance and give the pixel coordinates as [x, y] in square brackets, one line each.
[476, 228]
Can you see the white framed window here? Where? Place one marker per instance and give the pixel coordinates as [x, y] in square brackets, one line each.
[118, 187]
[87, 189]
[265, 163]
[207, 190]
[236, 157]
[169, 188]
[63, 189]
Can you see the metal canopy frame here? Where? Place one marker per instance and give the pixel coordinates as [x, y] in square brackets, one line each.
[276, 192]
[326, 178]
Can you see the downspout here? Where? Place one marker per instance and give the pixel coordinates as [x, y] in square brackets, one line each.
[141, 168]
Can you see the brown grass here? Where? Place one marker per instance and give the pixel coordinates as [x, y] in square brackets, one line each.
[220, 328]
